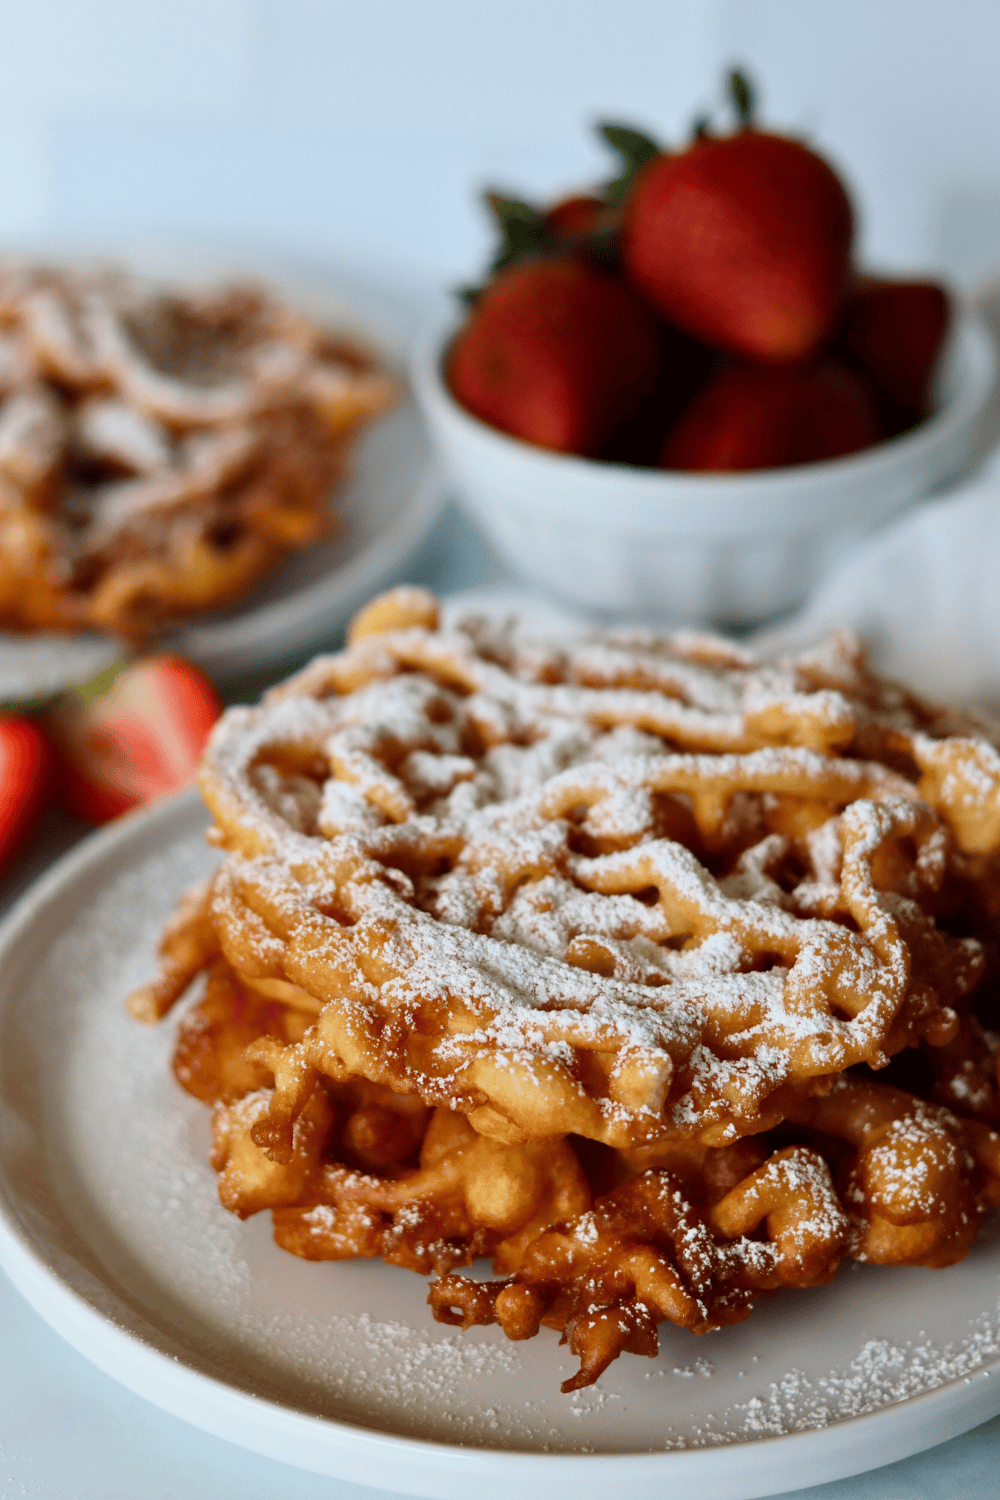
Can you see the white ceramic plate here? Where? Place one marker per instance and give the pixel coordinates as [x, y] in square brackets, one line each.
[387, 505]
[110, 1226]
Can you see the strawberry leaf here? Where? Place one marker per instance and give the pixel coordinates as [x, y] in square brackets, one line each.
[522, 229]
[635, 149]
[743, 95]
[99, 685]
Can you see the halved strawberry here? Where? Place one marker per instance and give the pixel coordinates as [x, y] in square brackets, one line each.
[25, 782]
[132, 735]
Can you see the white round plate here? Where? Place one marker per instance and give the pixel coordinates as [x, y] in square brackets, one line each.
[111, 1227]
[389, 502]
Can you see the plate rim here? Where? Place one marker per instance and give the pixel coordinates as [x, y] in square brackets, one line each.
[413, 1465]
[334, 597]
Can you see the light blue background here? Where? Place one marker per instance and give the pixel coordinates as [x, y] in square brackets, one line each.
[361, 131]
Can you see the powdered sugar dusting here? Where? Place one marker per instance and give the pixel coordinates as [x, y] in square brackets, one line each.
[406, 1374]
[883, 1373]
[491, 812]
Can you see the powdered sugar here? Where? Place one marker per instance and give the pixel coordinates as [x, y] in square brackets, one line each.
[512, 824]
[882, 1373]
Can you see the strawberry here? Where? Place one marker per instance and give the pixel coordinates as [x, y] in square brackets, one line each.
[685, 366]
[574, 218]
[25, 782]
[742, 241]
[131, 736]
[555, 352]
[894, 330]
[765, 417]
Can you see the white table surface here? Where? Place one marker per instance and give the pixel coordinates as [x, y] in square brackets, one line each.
[69, 1432]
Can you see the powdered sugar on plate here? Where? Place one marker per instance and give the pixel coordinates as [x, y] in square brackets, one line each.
[881, 1374]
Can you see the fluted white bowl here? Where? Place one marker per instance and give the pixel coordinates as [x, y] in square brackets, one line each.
[714, 549]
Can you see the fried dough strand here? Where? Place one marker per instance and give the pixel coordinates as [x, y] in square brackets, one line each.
[669, 1246]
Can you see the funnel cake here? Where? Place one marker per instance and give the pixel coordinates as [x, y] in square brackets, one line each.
[159, 452]
[582, 958]
[601, 1245]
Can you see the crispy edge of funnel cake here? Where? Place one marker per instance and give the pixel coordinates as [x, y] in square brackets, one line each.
[601, 1223]
[160, 452]
[601, 1245]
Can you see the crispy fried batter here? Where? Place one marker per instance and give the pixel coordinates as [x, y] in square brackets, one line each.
[581, 959]
[601, 1245]
[159, 452]
[920, 1179]
[419, 829]
[646, 1254]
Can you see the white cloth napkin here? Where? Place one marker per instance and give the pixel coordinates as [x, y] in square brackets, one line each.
[924, 595]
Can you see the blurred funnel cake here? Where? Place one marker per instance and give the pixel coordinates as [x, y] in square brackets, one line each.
[160, 451]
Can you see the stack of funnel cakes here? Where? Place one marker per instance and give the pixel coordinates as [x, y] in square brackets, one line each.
[160, 452]
[655, 975]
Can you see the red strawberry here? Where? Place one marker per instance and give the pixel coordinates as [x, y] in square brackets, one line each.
[894, 331]
[25, 782]
[133, 739]
[764, 418]
[685, 366]
[744, 242]
[574, 218]
[556, 353]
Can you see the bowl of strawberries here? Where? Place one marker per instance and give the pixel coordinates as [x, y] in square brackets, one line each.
[679, 395]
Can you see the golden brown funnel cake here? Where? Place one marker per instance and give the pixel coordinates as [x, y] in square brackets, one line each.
[581, 958]
[160, 452]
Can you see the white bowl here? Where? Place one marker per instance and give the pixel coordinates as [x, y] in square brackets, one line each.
[718, 549]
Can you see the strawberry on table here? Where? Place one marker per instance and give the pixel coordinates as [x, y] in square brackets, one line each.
[25, 782]
[557, 353]
[133, 735]
[765, 417]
